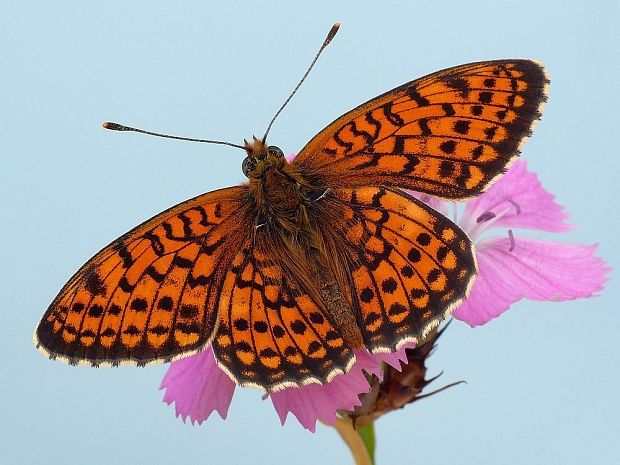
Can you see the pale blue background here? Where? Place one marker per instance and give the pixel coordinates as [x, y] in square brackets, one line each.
[543, 380]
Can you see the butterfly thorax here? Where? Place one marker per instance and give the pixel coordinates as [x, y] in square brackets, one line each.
[277, 188]
[277, 191]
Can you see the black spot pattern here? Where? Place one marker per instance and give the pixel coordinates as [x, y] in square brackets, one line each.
[108, 332]
[317, 318]
[132, 330]
[188, 311]
[433, 275]
[313, 347]
[278, 331]
[367, 295]
[95, 311]
[94, 284]
[268, 353]
[165, 303]
[298, 327]
[459, 84]
[115, 310]
[489, 132]
[462, 126]
[261, 327]
[423, 239]
[446, 169]
[418, 293]
[389, 285]
[414, 255]
[139, 304]
[477, 152]
[397, 308]
[159, 330]
[448, 147]
[485, 97]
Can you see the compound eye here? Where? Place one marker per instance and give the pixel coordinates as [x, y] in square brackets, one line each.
[276, 151]
[248, 165]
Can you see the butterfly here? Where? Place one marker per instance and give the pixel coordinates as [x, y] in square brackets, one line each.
[287, 275]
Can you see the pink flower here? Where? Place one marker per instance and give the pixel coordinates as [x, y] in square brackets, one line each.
[198, 387]
[511, 268]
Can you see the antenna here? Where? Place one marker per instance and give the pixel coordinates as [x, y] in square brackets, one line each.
[330, 35]
[120, 127]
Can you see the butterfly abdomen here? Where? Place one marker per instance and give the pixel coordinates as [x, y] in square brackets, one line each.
[342, 314]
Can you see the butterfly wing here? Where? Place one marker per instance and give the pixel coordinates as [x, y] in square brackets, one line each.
[410, 266]
[152, 294]
[273, 334]
[448, 134]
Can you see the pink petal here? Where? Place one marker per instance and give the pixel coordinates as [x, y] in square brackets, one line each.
[395, 359]
[519, 201]
[534, 269]
[321, 401]
[198, 386]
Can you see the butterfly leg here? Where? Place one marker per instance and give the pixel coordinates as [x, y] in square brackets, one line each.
[260, 222]
[318, 194]
[322, 195]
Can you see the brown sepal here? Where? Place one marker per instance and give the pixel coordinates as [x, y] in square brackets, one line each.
[398, 388]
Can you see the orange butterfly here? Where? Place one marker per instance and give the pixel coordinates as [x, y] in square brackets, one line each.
[286, 275]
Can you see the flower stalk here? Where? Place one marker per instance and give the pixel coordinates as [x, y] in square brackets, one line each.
[361, 442]
[367, 433]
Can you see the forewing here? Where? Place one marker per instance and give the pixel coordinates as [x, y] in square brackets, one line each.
[272, 334]
[448, 134]
[152, 294]
[411, 266]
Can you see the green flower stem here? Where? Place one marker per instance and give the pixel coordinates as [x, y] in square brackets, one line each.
[362, 449]
[367, 433]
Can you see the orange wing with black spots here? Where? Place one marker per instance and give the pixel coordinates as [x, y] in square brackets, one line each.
[449, 134]
[152, 294]
[410, 265]
[272, 334]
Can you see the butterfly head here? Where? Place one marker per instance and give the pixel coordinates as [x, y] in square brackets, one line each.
[260, 156]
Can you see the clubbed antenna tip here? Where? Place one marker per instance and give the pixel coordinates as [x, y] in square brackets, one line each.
[330, 35]
[122, 127]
